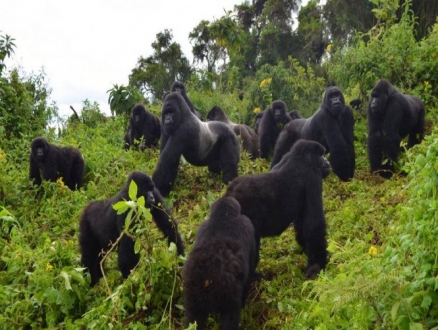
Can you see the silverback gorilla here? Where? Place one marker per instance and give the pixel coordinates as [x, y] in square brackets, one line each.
[100, 225]
[144, 129]
[290, 193]
[391, 117]
[271, 124]
[250, 140]
[220, 267]
[53, 162]
[331, 125]
[211, 144]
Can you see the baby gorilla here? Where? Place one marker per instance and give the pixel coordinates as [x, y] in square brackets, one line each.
[220, 268]
[100, 226]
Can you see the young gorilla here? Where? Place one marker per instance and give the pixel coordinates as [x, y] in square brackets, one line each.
[53, 162]
[290, 193]
[100, 225]
[250, 140]
[272, 123]
[220, 267]
[180, 88]
[391, 117]
[144, 126]
[211, 144]
[332, 126]
[257, 119]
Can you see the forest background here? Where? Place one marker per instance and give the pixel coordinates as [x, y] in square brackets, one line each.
[383, 271]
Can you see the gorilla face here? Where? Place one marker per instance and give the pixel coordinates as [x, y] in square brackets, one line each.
[171, 114]
[334, 100]
[178, 87]
[379, 97]
[39, 149]
[278, 111]
[145, 186]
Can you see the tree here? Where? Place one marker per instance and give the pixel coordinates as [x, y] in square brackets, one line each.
[155, 74]
[123, 98]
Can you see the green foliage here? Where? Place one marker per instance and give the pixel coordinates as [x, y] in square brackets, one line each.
[290, 82]
[123, 98]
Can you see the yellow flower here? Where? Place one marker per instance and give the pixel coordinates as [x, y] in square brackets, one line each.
[266, 81]
[49, 267]
[256, 110]
[2, 155]
[372, 251]
[328, 48]
[60, 182]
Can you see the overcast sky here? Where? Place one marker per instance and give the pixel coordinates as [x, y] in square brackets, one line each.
[86, 46]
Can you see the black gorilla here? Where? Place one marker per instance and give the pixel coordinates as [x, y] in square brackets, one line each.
[294, 114]
[272, 123]
[180, 88]
[220, 268]
[211, 144]
[144, 129]
[53, 162]
[290, 193]
[257, 119]
[250, 140]
[356, 103]
[100, 225]
[332, 126]
[391, 117]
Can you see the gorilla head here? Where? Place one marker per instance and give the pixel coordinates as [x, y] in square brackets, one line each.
[333, 100]
[379, 97]
[279, 111]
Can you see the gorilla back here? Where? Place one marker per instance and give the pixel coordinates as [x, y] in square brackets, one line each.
[211, 144]
[290, 193]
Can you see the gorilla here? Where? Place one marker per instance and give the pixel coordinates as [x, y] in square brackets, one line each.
[221, 266]
[331, 125]
[290, 193]
[250, 140]
[180, 88]
[391, 117]
[257, 119]
[211, 144]
[52, 162]
[144, 130]
[356, 103]
[100, 226]
[272, 123]
[294, 114]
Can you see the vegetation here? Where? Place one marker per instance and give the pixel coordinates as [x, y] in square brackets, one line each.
[383, 269]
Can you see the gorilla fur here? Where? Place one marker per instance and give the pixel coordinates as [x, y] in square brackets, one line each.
[250, 140]
[144, 129]
[180, 88]
[332, 125]
[211, 144]
[392, 116]
[100, 226]
[52, 162]
[272, 123]
[257, 119]
[220, 267]
[290, 193]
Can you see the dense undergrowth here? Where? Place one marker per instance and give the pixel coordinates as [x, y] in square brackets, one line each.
[382, 235]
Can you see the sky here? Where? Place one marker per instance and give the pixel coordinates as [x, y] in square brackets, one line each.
[87, 46]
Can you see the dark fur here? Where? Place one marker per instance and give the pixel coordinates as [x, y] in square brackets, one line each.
[392, 116]
[180, 88]
[55, 162]
[144, 129]
[294, 114]
[250, 140]
[332, 126]
[211, 144]
[257, 119]
[272, 123]
[356, 104]
[220, 268]
[100, 225]
[290, 193]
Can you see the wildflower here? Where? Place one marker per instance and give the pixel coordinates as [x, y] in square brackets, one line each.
[372, 251]
[2, 155]
[256, 110]
[60, 182]
[266, 81]
[49, 267]
[328, 48]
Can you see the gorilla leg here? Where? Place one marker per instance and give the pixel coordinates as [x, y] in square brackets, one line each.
[229, 159]
[127, 258]
[90, 249]
[230, 320]
[168, 227]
